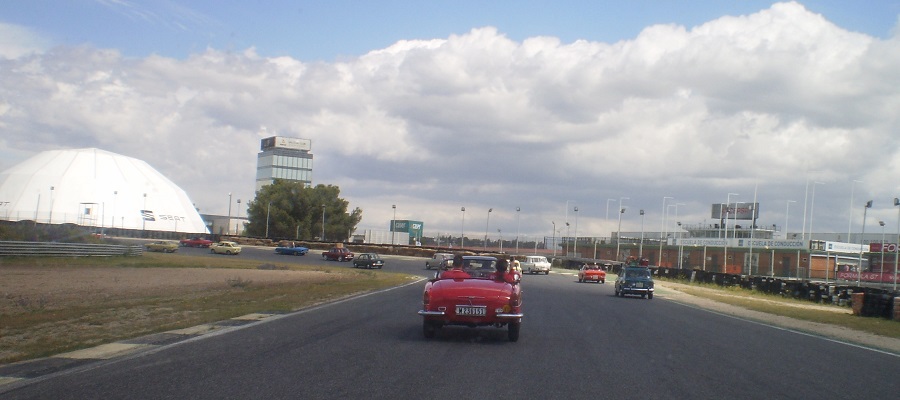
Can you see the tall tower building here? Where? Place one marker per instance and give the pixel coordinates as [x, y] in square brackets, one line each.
[284, 158]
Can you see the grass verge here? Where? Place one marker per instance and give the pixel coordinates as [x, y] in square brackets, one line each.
[40, 317]
[792, 308]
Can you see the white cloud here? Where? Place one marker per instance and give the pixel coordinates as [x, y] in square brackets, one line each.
[18, 41]
[479, 120]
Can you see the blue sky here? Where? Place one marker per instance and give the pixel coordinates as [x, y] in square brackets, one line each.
[330, 30]
[435, 105]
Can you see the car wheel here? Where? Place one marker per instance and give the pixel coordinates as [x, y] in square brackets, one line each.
[644, 296]
[512, 331]
[650, 296]
[212, 251]
[429, 329]
[580, 280]
[603, 281]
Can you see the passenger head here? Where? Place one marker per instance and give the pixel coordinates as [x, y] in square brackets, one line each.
[458, 261]
[502, 265]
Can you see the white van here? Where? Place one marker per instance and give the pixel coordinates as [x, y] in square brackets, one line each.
[536, 264]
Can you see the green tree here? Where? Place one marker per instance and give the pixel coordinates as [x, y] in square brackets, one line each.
[295, 212]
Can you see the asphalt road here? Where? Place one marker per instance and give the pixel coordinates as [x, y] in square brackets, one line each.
[577, 341]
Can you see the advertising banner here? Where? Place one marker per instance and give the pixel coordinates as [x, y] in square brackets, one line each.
[839, 247]
[745, 243]
[886, 247]
[740, 211]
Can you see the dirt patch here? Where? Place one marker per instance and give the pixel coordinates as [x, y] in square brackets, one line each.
[674, 293]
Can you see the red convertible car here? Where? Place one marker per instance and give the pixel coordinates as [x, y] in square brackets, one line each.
[195, 242]
[473, 293]
[591, 273]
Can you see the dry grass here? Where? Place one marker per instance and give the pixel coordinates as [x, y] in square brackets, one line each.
[793, 308]
[53, 305]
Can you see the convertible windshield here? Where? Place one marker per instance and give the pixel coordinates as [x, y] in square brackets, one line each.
[480, 268]
[637, 273]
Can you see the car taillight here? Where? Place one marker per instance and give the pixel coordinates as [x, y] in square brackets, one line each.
[425, 298]
[514, 299]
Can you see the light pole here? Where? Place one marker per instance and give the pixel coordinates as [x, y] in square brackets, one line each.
[228, 225]
[641, 245]
[486, 227]
[850, 211]
[861, 236]
[662, 226]
[144, 218]
[727, 210]
[323, 222]
[237, 229]
[554, 238]
[394, 206]
[897, 246]
[812, 204]
[115, 207]
[500, 234]
[517, 229]
[50, 218]
[805, 202]
[268, 207]
[677, 234]
[619, 229]
[575, 246]
[462, 229]
[881, 270]
[788, 210]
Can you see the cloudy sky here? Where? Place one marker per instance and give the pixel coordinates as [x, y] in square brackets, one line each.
[544, 106]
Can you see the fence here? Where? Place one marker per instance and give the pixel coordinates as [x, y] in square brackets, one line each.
[66, 249]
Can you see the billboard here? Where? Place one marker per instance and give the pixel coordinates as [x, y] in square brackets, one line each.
[742, 211]
[282, 142]
[414, 228]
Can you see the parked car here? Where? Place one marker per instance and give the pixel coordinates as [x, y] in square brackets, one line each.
[195, 242]
[635, 280]
[338, 254]
[368, 260]
[292, 249]
[436, 259]
[229, 248]
[591, 273]
[536, 265]
[473, 294]
[164, 246]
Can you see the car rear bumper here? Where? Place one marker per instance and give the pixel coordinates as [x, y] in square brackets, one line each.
[504, 316]
[636, 290]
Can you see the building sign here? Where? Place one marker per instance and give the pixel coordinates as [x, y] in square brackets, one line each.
[840, 247]
[744, 243]
[282, 142]
[878, 247]
[742, 211]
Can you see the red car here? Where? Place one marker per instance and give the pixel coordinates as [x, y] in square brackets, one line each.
[472, 294]
[195, 242]
[591, 273]
[338, 254]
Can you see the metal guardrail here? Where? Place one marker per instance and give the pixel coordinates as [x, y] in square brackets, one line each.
[25, 249]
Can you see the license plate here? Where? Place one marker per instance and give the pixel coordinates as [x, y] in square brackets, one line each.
[471, 311]
[639, 285]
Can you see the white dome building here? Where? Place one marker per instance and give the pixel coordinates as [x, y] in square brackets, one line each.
[93, 187]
